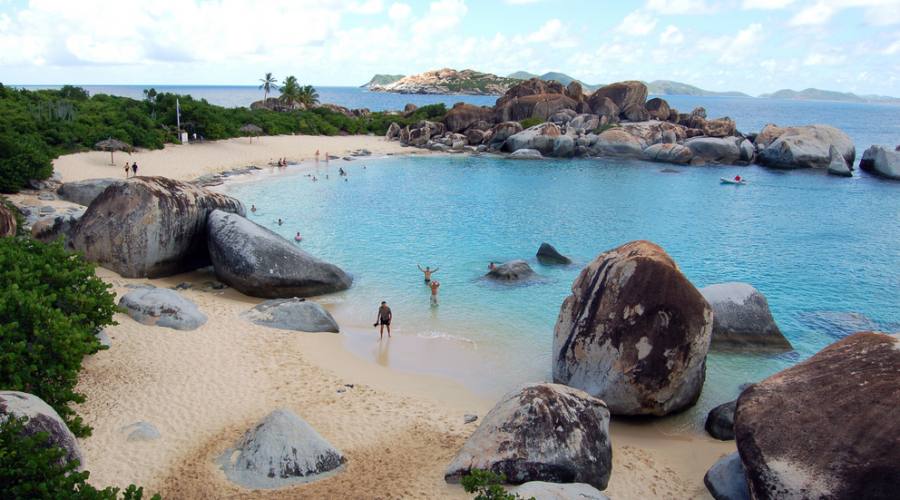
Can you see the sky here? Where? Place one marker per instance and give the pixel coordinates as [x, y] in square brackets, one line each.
[753, 46]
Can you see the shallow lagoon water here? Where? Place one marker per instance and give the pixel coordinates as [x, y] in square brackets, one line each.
[824, 250]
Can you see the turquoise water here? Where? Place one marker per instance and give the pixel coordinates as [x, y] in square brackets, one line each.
[824, 250]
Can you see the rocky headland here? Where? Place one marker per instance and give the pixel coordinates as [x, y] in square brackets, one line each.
[448, 81]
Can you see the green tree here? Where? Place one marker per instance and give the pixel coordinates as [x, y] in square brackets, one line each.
[290, 91]
[22, 158]
[268, 85]
[308, 96]
[51, 307]
[31, 467]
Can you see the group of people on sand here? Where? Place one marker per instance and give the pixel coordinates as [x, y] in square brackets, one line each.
[131, 168]
[282, 162]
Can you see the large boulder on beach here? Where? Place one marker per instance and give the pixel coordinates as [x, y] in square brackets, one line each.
[802, 147]
[826, 427]
[725, 480]
[8, 225]
[514, 270]
[543, 490]
[669, 153]
[52, 228]
[393, 132]
[658, 108]
[616, 142]
[149, 226]
[625, 95]
[881, 161]
[86, 191]
[503, 131]
[714, 149]
[720, 421]
[260, 263]
[463, 115]
[634, 332]
[742, 319]
[541, 432]
[548, 254]
[292, 314]
[280, 450]
[41, 418]
[540, 137]
[162, 307]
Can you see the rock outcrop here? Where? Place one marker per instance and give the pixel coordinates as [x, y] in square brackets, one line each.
[614, 142]
[881, 161]
[742, 320]
[714, 149]
[292, 314]
[41, 418]
[86, 191]
[526, 154]
[548, 254]
[541, 432]
[720, 421]
[628, 96]
[57, 226]
[826, 427]
[280, 450]
[802, 147]
[8, 225]
[149, 226]
[659, 109]
[449, 81]
[260, 263]
[463, 116]
[669, 153]
[162, 307]
[725, 479]
[514, 270]
[536, 98]
[634, 332]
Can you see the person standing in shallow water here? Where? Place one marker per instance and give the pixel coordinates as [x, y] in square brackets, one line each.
[434, 292]
[384, 320]
[427, 272]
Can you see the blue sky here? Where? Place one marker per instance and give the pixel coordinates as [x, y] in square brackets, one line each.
[753, 46]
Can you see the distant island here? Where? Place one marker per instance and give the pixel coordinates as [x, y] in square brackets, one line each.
[450, 81]
[829, 95]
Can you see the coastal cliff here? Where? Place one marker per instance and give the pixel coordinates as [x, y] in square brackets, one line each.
[449, 81]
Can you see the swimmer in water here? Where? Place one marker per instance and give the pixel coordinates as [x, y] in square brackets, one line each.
[253, 208]
[298, 238]
[280, 222]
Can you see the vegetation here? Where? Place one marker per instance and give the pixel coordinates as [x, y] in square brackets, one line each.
[530, 122]
[293, 93]
[268, 85]
[31, 467]
[37, 126]
[51, 307]
[487, 485]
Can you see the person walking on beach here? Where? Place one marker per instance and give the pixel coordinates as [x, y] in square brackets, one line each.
[384, 320]
[434, 292]
[134, 168]
[127, 169]
[427, 272]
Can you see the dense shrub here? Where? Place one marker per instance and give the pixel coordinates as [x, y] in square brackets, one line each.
[31, 467]
[487, 485]
[51, 306]
[22, 157]
[530, 122]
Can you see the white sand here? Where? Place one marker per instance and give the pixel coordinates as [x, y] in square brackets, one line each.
[189, 161]
[202, 389]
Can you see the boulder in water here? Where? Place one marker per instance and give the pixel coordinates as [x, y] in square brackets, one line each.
[260, 263]
[292, 314]
[634, 332]
[41, 418]
[280, 450]
[669, 153]
[826, 427]
[149, 226]
[514, 270]
[720, 421]
[803, 147]
[714, 149]
[725, 479]
[881, 161]
[628, 94]
[526, 154]
[162, 307]
[548, 254]
[837, 164]
[742, 320]
[541, 432]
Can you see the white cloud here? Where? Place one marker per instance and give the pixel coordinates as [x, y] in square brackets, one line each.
[892, 49]
[876, 12]
[553, 33]
[734, 49]
[399, 11]
[823, 59]
[765, 4]
[637, 23]
[667, 7]
[520, 2]
[367, 7]
[671, 36]
[442, 15]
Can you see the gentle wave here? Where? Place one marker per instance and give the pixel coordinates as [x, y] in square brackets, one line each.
[436, 335]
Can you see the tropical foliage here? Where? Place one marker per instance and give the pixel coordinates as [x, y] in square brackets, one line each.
[268, 85]
[487, 485]
[37, 126]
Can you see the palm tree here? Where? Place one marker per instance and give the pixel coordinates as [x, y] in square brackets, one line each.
[268, 85]
[308, 96]
[290, 90]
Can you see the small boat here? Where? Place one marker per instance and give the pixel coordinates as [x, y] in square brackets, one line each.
[732, 181]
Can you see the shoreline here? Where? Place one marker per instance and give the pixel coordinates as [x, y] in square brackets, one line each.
[202, 389]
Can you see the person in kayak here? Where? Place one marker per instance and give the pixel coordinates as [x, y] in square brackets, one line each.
[737, 178]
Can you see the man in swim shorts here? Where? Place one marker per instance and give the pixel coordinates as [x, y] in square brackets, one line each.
[434, 292]
[384, 320]
[427, 272]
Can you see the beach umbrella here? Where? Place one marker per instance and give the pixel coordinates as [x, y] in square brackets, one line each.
[112, 145]
[252, 130]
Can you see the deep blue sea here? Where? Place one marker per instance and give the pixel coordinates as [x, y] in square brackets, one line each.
[866, 124]
[824, 250]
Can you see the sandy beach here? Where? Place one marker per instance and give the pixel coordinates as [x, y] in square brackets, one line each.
[202, 389]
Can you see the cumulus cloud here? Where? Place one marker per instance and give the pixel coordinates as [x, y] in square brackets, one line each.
[671, 36]
[399, 11]
[637, 23]
[680, 6]
[765, 4]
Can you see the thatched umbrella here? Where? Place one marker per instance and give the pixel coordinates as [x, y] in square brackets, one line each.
[112, 145]
[252, 130]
